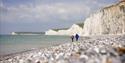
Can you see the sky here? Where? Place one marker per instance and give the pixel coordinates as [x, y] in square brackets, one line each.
[41, 15]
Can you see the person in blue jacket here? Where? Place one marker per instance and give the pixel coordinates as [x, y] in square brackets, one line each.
[77, 37]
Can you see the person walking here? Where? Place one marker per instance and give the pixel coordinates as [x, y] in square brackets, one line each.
[77, 37]
[72, 37]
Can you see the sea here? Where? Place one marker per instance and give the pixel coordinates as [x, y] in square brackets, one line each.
[10, 44]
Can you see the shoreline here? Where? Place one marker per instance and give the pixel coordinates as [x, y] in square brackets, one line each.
[8, 56]
[105, 42]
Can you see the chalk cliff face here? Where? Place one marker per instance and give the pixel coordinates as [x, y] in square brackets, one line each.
[110, 20]
[71, 31]
[50, 32]
[75, 29]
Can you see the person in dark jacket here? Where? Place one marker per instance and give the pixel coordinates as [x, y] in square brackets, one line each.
[77, 37]
[72, 37]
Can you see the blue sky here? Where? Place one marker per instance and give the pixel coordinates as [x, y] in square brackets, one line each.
[41, 15]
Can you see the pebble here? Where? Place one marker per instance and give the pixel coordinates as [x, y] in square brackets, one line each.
[105, 49]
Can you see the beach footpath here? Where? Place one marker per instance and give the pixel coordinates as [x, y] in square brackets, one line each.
[93, 49]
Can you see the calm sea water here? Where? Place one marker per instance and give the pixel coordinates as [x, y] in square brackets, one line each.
[17, 43]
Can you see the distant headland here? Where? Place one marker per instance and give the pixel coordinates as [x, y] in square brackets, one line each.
[27, 33]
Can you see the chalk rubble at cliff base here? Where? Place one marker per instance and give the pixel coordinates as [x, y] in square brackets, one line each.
[100, 49]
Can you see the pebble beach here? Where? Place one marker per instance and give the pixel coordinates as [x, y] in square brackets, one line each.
[93, 49]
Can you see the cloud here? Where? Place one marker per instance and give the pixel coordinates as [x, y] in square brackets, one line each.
[44, 12]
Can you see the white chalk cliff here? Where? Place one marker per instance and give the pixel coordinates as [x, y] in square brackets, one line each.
[75, 28]
[109, 20]
[51, 32]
